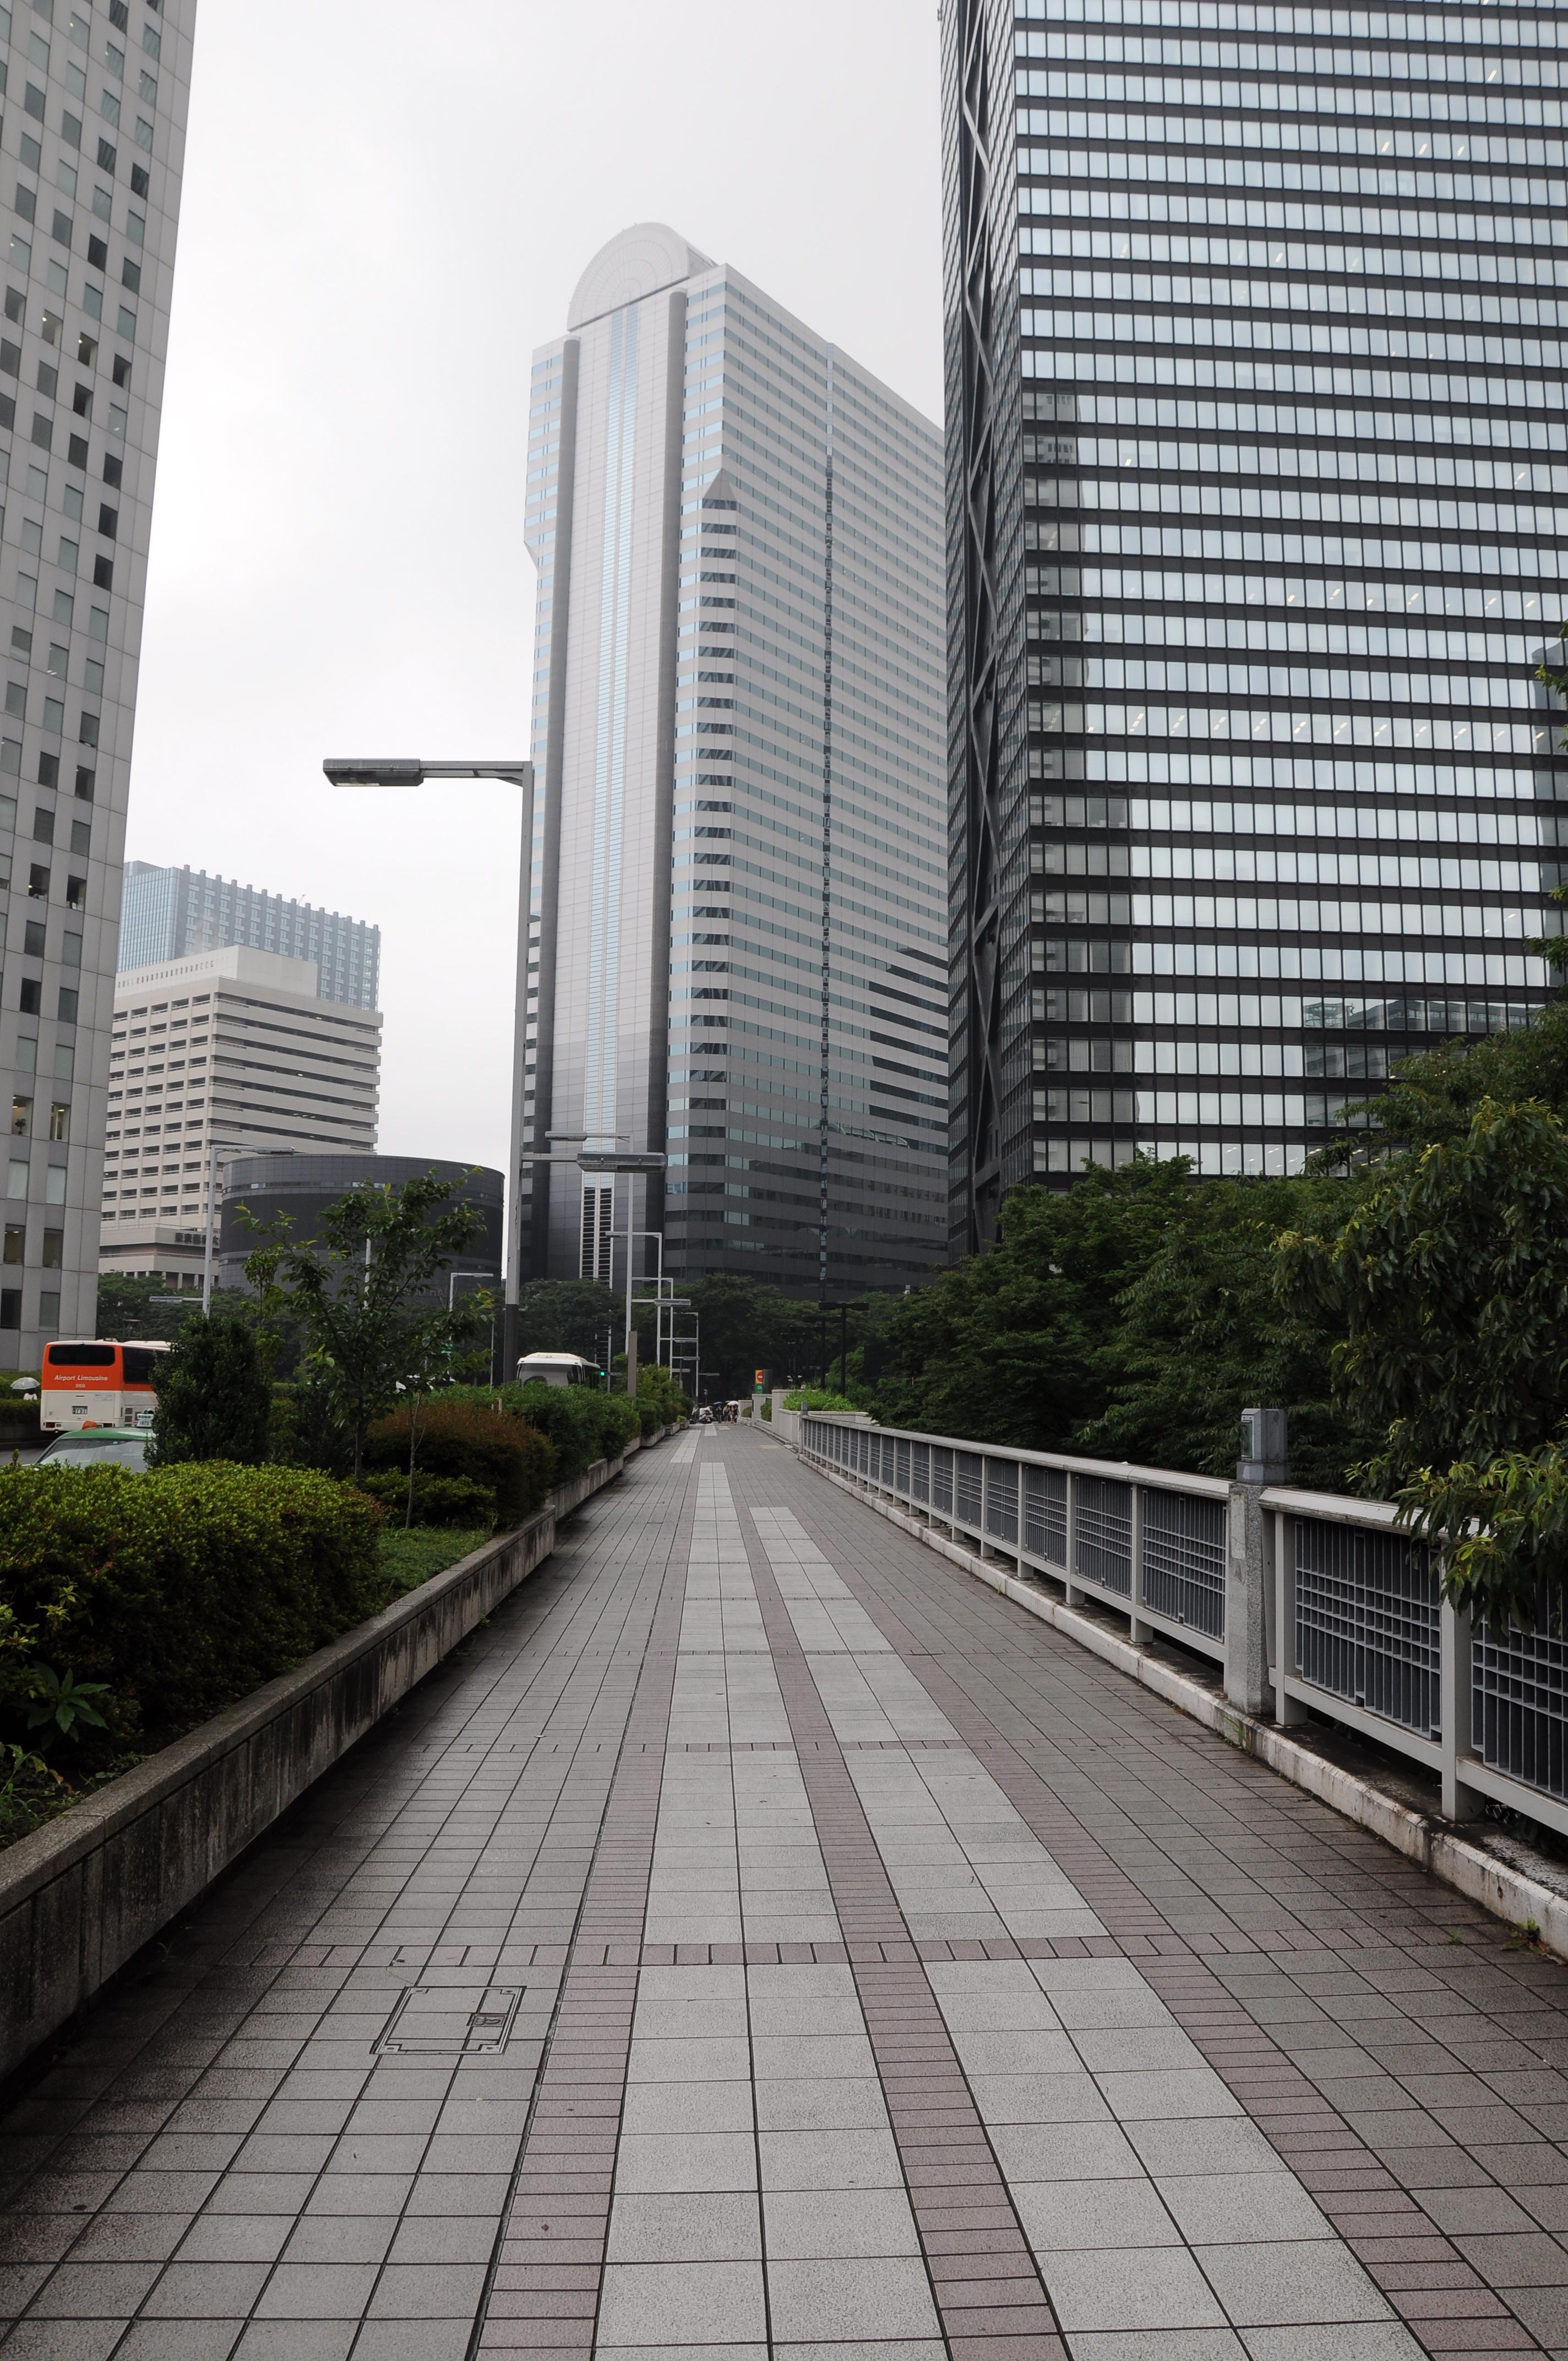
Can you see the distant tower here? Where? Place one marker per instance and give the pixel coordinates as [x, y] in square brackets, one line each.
[740, 885]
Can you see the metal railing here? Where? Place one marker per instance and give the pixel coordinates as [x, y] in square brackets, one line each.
[1342, 1605]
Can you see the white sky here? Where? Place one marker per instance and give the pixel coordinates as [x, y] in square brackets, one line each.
[387, 205]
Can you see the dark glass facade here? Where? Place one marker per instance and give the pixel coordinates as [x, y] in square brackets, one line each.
[1258, 510]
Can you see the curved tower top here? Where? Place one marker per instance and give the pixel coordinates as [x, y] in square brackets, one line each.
[636, 262]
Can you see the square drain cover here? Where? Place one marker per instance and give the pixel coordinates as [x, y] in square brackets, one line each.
[450, 2020]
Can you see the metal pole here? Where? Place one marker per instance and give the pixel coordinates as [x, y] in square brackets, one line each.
[511, 1317]
[212, 1208]
[843, 1346]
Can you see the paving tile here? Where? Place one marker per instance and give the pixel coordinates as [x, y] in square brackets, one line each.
[867, 2297]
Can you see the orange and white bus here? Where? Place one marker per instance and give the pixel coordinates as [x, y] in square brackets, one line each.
[97, 1383]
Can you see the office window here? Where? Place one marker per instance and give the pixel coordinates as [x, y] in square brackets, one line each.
[15, 1246]
[54, 1256]
[10, 1307]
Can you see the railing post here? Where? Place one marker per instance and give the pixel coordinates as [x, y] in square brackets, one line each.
[1288, 1711]
[1459, 1802]
[1247, 1608]
[1140, 1631]
[1075, 1596]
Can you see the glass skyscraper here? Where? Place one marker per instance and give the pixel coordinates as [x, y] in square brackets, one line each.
[739, 880]
[93, 134]
[1259, 525]
[168, 913]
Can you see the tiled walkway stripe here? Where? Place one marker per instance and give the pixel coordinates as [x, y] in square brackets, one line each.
[545, 2287]
[1441, 2295]
[988, 2289]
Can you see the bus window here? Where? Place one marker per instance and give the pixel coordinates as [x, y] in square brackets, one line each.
[82, 1356]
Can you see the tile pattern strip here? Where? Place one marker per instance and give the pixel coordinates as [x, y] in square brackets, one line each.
[987, 2287]
[543, 2292]
[1441, 2298]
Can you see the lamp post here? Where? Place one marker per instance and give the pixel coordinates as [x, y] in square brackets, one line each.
[217, 1148]
[593, 1154]
[385, 772]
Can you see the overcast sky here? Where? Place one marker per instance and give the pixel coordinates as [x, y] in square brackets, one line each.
[386, 208]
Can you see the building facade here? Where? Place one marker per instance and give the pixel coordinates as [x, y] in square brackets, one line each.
[229, 1050]
[1258, 521]
[300, 1188]
[94, 133]
[167, 912]
[739, 859]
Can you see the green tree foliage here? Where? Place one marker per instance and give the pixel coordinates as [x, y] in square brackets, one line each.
[214, 1402]
[167, 1596]
[583, 1424]
[1010, 1346]
[364, 1294]
[132, 1308]
[1448, 1289]
[569, 1315]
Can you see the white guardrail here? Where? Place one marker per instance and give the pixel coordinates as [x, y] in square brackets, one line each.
[1310, 1601]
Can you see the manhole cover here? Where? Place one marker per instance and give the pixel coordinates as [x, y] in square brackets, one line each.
[449, 2020]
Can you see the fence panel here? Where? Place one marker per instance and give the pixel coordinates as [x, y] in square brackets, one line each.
[1184, 1559]
[967, 1479]
[1103, 1537]
[919, 1471]
[1519, 1696]
[942, 1479]
[1001, 1500]
[1044, 1513]
[1367, 1623]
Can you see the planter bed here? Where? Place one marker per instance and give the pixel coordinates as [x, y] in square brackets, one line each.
[81, 1894]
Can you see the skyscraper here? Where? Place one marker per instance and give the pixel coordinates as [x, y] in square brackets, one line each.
[95, 131]
[1259, 518]
[739, 859]
[166, 913]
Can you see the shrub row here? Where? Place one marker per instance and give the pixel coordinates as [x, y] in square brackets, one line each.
[510, 1458]
[438, 1499]
[179, 1590]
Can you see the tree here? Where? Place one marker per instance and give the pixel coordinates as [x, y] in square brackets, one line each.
[141, 1307]
[1449, 1286]
[1010, 1346]
[568, 1315]
[362, 1297]
[214, 1402]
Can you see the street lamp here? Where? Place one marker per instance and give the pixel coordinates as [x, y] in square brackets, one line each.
[384, 771]
[217, 1147]
[593, 1155]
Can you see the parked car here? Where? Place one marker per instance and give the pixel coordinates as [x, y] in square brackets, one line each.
[98, 1446]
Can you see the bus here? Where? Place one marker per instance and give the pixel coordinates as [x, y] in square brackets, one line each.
[99, 1382]
[555, 1369]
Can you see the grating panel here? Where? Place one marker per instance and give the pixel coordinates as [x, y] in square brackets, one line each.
[942, 1479]
[1366, 1621]
[1184, 1559]
[919, 1471]
[1519, 1697]
[1001, 1499]
[967, 1488]
[1103, 1537]
[1045, 1514]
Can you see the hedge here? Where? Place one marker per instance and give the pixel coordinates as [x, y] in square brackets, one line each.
[180, 1589]
[509, 1456]
[438, 1499]
[583, 1424]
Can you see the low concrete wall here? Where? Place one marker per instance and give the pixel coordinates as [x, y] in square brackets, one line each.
[79, 1897]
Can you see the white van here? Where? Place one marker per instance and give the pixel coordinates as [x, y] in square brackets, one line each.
[555, 1369]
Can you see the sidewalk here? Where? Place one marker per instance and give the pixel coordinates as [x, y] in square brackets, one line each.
[761, 1940]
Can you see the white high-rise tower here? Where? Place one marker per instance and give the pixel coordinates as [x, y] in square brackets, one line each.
[739, 888]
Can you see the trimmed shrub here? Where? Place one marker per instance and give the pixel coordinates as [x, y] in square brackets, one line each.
[213, 1400]
[438, 1499]
[180, 1589]
[514, 1463]
[583, 1425]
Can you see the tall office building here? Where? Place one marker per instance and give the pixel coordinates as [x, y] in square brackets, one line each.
[93, 135]
[216, 1053]
[1258, 526]
[739, 860]
[167, 912]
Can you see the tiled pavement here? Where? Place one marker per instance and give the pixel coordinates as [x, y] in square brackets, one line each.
[761, 1939]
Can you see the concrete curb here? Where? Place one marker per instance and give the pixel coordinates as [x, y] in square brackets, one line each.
[80, 1896]
[1432, 1842]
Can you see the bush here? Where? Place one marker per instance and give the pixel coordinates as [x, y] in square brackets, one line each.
[438, 1499]
[213, 1400]
[583, 1425]
[510, 1457]
[816, 1397]
[180, 1589]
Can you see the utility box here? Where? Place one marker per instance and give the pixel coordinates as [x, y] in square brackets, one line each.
[1265, 1451]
